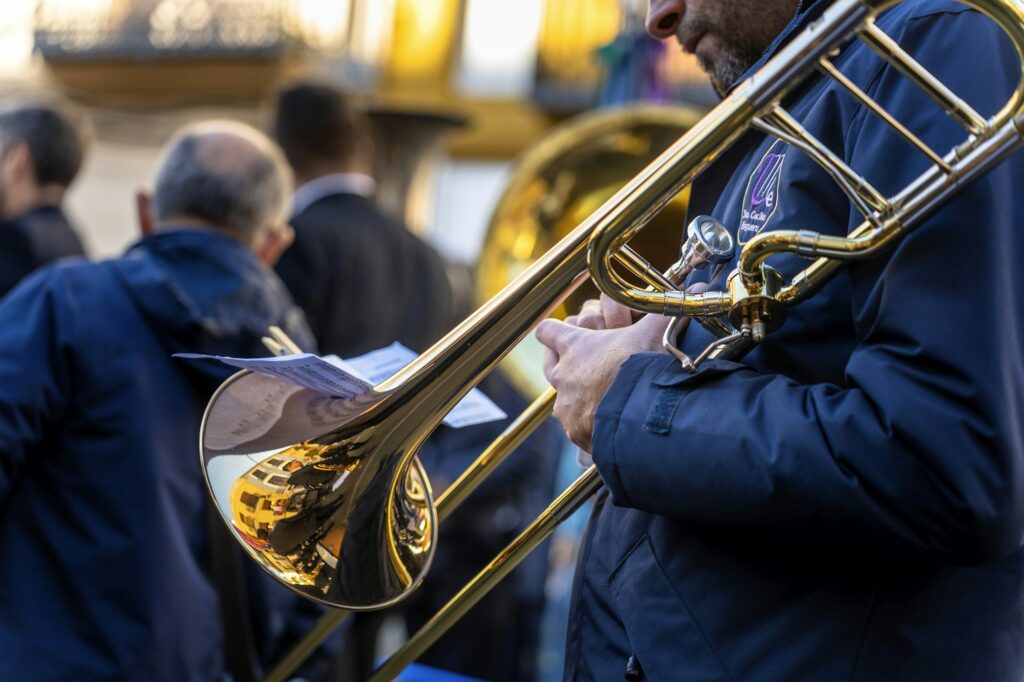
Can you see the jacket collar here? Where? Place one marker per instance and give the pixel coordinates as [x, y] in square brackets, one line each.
[313, 191]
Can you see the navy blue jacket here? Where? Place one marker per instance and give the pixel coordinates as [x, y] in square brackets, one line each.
[102, 500]
[33, 239]
[846, 502]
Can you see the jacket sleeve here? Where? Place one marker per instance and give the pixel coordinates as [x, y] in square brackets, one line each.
[35, 370]
[921, 451]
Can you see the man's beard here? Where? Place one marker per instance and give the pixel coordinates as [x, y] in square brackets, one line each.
[725, 71]
[758, 21]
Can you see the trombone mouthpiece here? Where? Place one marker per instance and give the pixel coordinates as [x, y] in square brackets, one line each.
[708, 242]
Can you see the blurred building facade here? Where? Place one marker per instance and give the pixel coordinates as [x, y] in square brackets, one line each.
[144, 67]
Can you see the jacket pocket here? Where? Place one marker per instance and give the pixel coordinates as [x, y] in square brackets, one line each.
[662, 632]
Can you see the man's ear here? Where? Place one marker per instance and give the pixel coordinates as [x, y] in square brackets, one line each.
[17, 163]
[144, 211]
[366, 155]
[273, 244]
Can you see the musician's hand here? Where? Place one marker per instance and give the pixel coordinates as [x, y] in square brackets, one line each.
[582, 363]
[603, 313]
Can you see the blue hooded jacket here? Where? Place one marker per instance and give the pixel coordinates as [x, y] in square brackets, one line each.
[846, 502]
[102, 501]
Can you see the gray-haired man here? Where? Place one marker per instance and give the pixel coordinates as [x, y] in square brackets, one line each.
[102, 503]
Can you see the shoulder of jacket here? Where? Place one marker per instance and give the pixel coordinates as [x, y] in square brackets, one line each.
[910, 17]
[78, 269]
[911, 10]
[85, 283]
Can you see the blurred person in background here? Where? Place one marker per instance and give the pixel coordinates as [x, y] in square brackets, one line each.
[362, 278]
[42, 147]
[364, 281]
[103, 508]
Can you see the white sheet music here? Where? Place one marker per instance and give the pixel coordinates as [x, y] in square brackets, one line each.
[306, 370]
[378, 365]
[355, 376]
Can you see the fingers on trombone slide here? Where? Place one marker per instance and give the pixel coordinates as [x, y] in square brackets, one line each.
[602, 313]
[279, 343]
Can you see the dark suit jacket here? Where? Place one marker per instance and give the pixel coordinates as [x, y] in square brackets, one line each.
[32, 240]
[363, 280]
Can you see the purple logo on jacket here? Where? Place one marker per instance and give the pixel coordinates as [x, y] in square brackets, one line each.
[762, 195]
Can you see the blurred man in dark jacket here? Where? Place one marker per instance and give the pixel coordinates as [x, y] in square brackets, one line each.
[361, 277]
[364, 282]
[41, 150]
[102, 501]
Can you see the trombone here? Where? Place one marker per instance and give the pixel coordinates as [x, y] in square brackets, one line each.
[327, 494]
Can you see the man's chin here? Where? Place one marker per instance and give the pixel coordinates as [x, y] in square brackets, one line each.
[721, 89]
[715, 75]
[724, 71]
